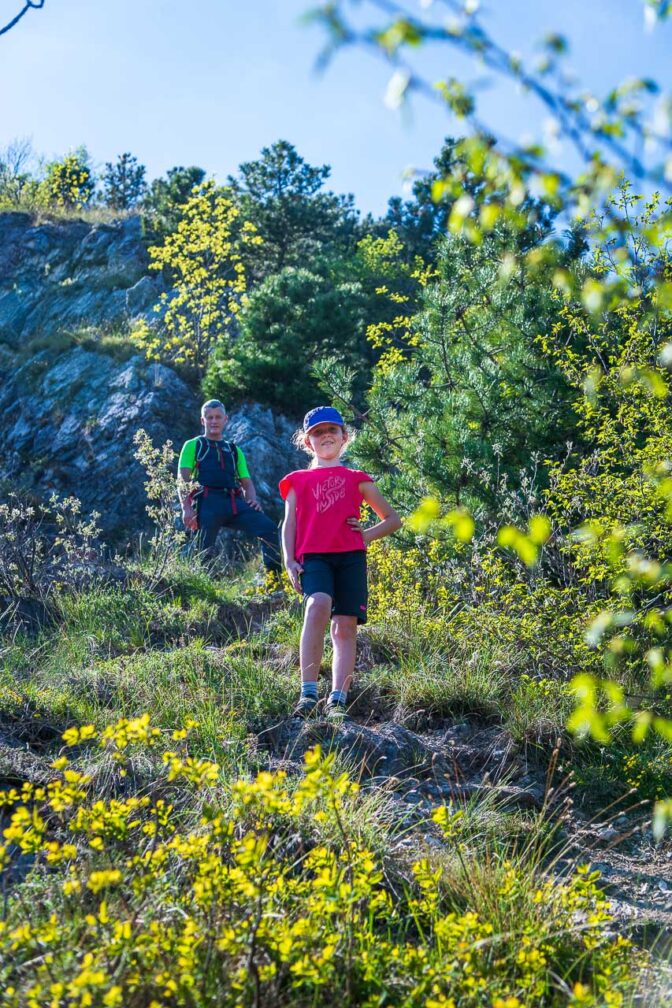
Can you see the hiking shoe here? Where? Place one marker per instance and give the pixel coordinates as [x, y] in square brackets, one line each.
[305, 707]
[335, 710]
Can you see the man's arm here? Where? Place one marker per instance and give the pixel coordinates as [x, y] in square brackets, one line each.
[185, 484]
[250, 492]
[184, 487]
[245, 480]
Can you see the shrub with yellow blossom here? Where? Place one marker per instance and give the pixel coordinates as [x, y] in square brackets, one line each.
[136, 900]
[202, 261]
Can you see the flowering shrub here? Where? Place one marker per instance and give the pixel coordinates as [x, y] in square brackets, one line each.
[69, 183]
[147, 900]
[203, 261]
[159, 465]
[43, 548]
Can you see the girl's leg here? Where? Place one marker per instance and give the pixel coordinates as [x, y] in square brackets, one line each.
[318, 611]
[344, 641]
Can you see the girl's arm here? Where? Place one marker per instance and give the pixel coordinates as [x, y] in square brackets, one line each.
[389, 519]
[294, 569]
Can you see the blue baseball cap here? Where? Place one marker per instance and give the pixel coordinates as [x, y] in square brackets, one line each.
[322, 414]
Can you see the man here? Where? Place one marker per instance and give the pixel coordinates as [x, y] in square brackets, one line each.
[224, 494]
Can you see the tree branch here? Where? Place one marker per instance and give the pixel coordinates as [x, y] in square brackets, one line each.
[37, 4]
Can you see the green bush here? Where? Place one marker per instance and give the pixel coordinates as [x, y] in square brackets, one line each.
[292, 320]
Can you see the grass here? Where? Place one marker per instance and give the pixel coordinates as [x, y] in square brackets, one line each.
[439, 686]
[538, 709]
[488, 879]
[60, 215]
[111, 340]
[114, 342]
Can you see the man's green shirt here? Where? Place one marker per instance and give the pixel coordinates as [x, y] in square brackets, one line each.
[188, 459]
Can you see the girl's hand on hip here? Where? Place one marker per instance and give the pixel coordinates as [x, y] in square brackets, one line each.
[294, 570]
[356, 525]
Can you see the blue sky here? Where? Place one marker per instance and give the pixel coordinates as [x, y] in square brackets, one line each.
[211, 83]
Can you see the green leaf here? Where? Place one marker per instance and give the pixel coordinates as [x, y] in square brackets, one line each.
[441, 188]
[397, 86]
[662, 814]
[539, 529]
[462, 523]
[556, 43]
[424, 515]
[461, 209]
[598, 628]
[593, 296]
[586, 720]
[506, 535]
[490, 214]
[664, 728]
[641, 726]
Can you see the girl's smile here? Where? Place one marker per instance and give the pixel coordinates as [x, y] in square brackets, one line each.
[327, 441]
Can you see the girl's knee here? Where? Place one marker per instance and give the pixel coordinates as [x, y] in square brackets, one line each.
[344, 627]
[318, 607]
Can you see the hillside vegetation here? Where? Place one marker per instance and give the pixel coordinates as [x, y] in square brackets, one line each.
[171, 836]
[166, 819]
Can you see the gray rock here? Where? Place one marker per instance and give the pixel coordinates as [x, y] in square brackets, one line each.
[67, 423]
[67, 417]
[265, 438]
[67, 426]
[59, 274]
[142, 296]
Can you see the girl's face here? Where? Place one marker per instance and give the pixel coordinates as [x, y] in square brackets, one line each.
[327, 441]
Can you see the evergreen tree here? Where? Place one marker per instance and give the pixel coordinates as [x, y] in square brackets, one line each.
[282, 195]
[291, 321]
[421, 222]
[165, 200]
[124, 182]
[467, 396]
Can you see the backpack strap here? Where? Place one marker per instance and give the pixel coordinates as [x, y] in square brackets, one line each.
[202, 448]
[233, 451]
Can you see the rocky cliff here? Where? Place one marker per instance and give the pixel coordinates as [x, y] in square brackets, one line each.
[68, 411]
[60, 275]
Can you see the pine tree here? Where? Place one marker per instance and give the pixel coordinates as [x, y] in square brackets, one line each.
[124, 182]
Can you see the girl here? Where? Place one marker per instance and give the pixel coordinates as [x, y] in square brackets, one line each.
[324, 549]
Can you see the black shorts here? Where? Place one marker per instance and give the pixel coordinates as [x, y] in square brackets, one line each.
[341, 575]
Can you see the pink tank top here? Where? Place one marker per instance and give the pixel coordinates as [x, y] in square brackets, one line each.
[324, 499]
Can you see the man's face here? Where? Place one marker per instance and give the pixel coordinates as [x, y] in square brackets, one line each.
[214, 421]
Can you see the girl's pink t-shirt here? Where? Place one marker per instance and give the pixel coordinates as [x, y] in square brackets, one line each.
[324, 499]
